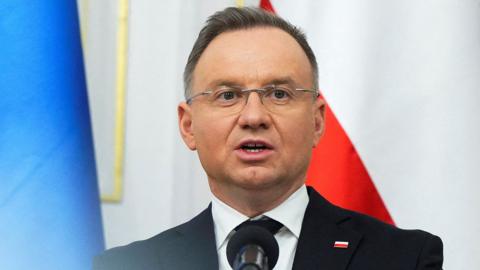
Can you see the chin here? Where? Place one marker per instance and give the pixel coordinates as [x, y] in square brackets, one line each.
[258, 179]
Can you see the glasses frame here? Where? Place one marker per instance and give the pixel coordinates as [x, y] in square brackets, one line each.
[249, 90]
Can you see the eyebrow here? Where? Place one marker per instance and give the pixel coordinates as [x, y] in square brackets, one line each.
[230, 83]
[283, 80]
[223, 82]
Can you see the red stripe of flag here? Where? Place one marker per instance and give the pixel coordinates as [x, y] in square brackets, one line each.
[266, 5]
[340, 244]
[338, 173]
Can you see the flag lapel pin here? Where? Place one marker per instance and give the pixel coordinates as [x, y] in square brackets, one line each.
[340, 244]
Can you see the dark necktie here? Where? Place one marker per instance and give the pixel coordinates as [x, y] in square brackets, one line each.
[271, 225]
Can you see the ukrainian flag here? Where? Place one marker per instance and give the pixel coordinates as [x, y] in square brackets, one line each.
[49, 202]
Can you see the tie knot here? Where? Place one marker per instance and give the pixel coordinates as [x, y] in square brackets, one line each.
[269, 224]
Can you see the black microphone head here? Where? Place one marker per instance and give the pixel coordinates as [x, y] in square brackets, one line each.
[253, 235]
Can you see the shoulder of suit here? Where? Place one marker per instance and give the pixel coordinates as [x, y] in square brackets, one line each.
[145, 252]
[368, 226]
[421, 249]
[371, 225]
[139, 252]
[379, 233]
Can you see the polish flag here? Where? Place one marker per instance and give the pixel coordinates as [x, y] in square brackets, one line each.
[340, 244]
[402, 83]
[337, 171]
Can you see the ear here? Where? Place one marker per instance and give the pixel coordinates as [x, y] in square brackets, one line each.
[185, 125]
[319, 118]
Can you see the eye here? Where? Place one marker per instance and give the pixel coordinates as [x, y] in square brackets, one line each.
[279, 94]
[227, 95]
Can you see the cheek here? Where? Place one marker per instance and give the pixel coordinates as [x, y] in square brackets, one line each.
[211, 132]
[297, 136]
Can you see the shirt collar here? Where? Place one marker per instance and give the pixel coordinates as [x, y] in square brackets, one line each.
[290, 213]
[225, 219]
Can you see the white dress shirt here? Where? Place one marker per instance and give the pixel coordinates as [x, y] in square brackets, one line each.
[290, 213]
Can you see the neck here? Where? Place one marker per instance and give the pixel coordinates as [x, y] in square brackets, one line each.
[253, 202]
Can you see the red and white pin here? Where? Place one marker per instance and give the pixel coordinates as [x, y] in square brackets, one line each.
[340, 244]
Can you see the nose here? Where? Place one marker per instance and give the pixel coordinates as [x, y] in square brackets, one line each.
[254, 115]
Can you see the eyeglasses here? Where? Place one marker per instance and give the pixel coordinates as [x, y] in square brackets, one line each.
[275, 98]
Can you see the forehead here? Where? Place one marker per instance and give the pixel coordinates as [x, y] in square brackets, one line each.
[252, 57]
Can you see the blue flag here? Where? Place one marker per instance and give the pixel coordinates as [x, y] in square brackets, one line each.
[49, 202]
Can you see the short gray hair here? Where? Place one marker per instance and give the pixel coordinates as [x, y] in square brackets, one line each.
[233, 18]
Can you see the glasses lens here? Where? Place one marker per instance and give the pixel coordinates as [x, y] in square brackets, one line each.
[228, 100]
[276, 99]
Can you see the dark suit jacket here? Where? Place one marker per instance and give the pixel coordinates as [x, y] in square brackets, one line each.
[373, 245]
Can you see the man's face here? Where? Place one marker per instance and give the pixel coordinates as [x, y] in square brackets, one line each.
[252, 58]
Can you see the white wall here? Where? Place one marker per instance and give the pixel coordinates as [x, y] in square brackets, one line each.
[163, 181]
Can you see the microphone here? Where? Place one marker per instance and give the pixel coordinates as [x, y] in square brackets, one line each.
[252, 248]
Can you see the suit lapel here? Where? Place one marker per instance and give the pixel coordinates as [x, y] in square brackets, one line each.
[196, 244]
[321, 228]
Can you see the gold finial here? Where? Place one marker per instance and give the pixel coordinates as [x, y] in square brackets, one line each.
[240, 3]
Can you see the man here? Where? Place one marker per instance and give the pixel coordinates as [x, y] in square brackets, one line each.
[253, 114]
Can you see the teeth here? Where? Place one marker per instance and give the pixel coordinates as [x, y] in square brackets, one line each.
[254, 145]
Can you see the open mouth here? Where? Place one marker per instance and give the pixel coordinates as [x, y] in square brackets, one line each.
[254, 147]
